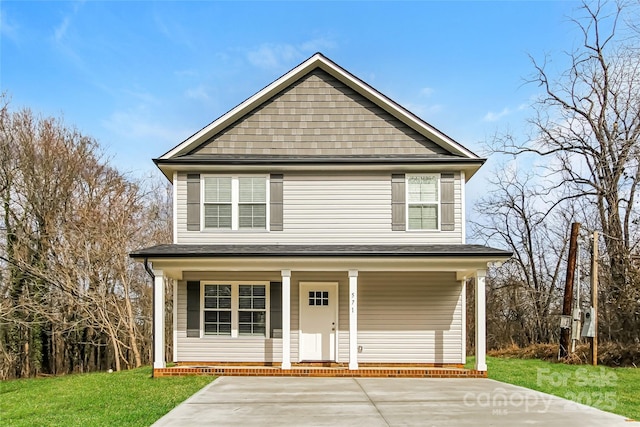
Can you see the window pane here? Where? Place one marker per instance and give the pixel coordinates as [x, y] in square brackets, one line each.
[217, 216]
[244, 317]
[245, 303]
[217, 190]
[259, 317]
[252, 216]
[225, 316]
[253, 189]
[244, 329]
[423, 189]
[259, 303]
[225, 329]
[210, 329]
[423, 217]
[259, 291]
[244, 290]
[210, 290]
[224, 290]
[224, 302]
[210, 302]
[210, 316]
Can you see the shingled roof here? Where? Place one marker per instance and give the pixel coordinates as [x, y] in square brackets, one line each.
[207, 251]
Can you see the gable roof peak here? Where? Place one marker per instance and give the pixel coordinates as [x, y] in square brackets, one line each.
[319, 60]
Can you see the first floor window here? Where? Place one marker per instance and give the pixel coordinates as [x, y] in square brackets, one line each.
[217, 309]
[423, 201]
[235, 309]
[252, 314]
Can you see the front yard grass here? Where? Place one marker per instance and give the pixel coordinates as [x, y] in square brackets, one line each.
[614, 390]
[128, 398]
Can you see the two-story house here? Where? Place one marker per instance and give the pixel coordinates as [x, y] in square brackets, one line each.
[319, 221]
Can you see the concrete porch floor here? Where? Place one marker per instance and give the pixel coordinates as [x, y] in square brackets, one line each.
[321, 371]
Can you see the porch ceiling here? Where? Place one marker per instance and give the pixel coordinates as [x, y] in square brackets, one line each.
[465, 260]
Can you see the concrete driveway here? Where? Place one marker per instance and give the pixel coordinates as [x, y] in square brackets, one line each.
[291, 401]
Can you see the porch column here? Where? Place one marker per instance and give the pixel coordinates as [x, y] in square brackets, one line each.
[353, 319]
[481, 322]
[286, 319]
[463, 323]
[158, 320]
[175, 320]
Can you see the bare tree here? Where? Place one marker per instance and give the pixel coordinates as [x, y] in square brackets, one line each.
[523, 294]
[587, 126]
[72, 301]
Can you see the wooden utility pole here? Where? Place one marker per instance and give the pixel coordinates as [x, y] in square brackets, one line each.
[565, 332]
[594, 298]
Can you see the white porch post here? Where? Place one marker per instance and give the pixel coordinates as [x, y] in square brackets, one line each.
[175, 320]
[286, 319]
[353, 319]
[463, 323]
[158, 320]
[481, 322]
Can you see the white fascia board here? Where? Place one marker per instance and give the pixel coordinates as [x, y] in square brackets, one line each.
[318, 60]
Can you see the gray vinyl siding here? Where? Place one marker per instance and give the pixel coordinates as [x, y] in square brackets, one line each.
[328, 209]
[409, 318]
[319, 115]
[402, 318]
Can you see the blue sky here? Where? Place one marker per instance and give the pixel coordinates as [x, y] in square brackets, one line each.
[142, 76]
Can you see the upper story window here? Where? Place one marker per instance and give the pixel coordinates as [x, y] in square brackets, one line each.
[235, 202]
[217, 202]
[423, 201]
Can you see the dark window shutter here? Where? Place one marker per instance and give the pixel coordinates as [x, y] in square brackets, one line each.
[447, 202]
[193, 202]
[398, 202]
[275, 301]
[193, 309]
[275, 197]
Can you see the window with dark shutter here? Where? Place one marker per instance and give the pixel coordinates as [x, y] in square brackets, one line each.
[193, 309]
[275, 289]
[275, 214]
[398, 203]
[447, 201]
[193, 202]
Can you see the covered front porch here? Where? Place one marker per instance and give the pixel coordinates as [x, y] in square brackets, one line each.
[397, 312]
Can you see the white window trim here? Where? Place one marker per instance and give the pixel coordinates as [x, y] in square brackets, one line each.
[235, 298]
[437, 202]
[235, 202]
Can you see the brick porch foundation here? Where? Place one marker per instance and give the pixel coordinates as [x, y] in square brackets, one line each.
[309, 370]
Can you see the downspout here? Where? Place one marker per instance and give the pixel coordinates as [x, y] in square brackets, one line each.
[153, 312]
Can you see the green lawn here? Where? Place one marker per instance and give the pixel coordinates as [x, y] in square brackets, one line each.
[614, 390]
[132, 398]
[129, 398]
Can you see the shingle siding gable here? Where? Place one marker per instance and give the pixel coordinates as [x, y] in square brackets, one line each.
[319, 115]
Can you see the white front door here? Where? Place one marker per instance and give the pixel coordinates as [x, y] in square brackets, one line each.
[318, 321]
